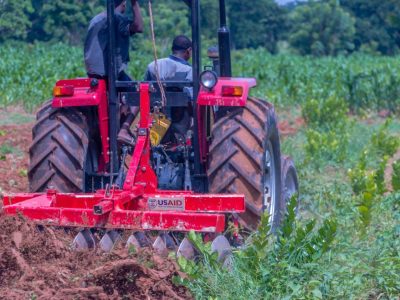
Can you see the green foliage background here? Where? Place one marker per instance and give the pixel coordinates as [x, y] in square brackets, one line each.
[326, 27]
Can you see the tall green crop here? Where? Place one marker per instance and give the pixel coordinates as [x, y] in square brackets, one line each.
[366, 82]
[28, 73]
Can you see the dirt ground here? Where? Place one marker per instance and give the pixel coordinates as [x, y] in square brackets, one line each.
[39, 264]
[14, 147]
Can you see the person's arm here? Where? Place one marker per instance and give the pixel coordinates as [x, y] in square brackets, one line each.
[137, 24]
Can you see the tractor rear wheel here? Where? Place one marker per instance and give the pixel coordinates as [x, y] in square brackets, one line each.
[59, 150]
[245, 159]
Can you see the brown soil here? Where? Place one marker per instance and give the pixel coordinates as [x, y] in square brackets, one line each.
[290, 127]
[14, 147]
[38, 264]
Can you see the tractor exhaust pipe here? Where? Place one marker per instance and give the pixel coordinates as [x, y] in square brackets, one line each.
[224, 43]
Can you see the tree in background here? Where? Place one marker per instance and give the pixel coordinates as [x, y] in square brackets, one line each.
[171, 18]
[322, 28]
[377, 25]
[14, 19]
[61, 20]
[256, 23]
[209, 19]
[317, 27]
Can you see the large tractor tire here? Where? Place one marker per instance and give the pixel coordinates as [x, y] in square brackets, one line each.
[59, 150]
[245, 159]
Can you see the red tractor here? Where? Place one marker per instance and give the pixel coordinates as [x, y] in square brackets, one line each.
[227, 168]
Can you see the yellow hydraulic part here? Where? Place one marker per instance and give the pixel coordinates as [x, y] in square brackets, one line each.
[159, 129]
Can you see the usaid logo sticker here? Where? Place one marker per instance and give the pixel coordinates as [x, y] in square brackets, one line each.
[166, 203]
[152, 203]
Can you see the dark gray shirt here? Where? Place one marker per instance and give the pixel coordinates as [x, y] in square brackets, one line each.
[96, 44]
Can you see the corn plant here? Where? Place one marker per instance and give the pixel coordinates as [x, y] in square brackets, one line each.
[396, 176]
[328, 129]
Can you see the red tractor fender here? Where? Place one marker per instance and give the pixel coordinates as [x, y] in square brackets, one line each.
[227, 92]
[81, 92]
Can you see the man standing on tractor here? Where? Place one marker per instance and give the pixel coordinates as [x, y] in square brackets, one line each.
[96, 51]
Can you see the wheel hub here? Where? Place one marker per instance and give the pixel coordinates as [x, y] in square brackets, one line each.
[269, 197]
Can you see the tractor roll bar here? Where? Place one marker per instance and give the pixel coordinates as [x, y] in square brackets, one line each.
[199, 184]
[113, 105]
[224, 43]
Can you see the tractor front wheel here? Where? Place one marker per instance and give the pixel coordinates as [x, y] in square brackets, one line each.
[59, 149]
[245, 159]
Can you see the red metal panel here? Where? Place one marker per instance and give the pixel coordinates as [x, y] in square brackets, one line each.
[135, 220]
[42, 215]
[205, 202]
[84, 201]
[41, 200]
[168, 221]
[134, 164]
[215, 203]
[82, 218]
[15, 198]
[214, 97]
[140, 171]
[145, 117]
[85, 95]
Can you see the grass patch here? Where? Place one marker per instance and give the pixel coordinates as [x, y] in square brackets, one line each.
[362, 259]
[6, 149]
[14, 118]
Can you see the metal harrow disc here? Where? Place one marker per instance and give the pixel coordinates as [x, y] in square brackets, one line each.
[222, 246]
[164, 243]
[139, 240]
[109, 240]
[186, 250]
[84, 240]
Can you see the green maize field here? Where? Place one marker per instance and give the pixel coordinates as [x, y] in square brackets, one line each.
[28, 73]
